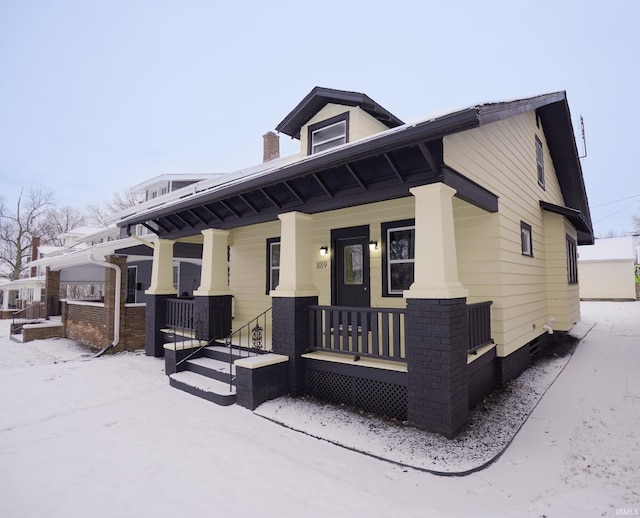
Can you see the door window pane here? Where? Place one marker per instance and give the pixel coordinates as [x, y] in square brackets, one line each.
[353, 265]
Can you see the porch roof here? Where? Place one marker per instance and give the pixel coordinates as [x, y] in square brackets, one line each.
[377, 168]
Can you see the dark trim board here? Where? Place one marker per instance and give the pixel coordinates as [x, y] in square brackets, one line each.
[483, 377]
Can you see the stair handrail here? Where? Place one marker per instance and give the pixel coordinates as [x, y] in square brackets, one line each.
[257, 336]
[35, 311]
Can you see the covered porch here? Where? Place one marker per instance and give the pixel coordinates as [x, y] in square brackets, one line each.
[375, 354]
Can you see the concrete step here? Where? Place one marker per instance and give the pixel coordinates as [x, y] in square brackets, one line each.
[219, 352]
[211, 368]
[206, 388]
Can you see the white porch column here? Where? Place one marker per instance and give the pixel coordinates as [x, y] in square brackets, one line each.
[5, 300]
[213, 276]
[162, 269]
[296, 257]
[436, 266]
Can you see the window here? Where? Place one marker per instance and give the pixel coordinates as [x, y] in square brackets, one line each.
[327, 134]
[540, 162]
[398, 256]
[176, 275]
[525, 238]
[572, 260]
[273, 263]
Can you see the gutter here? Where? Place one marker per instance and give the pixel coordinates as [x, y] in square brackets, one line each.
[116, 315]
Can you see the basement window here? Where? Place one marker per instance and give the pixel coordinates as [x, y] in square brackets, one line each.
[328, 134]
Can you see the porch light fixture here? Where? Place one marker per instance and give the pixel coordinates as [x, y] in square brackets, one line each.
[373, 245]
[324, 250]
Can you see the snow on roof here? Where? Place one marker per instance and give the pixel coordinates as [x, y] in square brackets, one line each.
[608, 249]
[171, 177]
[80, 231]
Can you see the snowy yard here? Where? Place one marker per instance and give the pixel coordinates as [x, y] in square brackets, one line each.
[108, 437]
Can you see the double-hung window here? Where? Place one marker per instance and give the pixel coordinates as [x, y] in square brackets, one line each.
[328, 134]
[525, 239]
[572, 260]
[398, 249]
[273, 263]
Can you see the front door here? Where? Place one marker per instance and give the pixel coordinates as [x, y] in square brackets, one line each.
[350, 267]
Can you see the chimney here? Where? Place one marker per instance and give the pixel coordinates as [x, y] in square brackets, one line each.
[271, 146]
[35, 244]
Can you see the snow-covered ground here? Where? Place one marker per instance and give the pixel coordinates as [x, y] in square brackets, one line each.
[109, 437]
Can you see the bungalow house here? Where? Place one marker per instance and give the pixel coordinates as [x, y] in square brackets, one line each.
[607, 269]
[406, 269]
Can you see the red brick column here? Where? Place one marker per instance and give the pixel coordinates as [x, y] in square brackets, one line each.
[52, 292]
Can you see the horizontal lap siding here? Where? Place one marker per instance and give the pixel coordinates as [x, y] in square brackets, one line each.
[247, 274]
[501, 157]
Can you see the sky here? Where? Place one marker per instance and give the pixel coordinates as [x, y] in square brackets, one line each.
[96, 97]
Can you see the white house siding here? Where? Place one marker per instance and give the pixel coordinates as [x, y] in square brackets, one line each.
[361, 124]
[501, 157]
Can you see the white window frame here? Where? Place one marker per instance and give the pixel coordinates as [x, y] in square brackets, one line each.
[388, 229]
[330, 142]
[270, 266]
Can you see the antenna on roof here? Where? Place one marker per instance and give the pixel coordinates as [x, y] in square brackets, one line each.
[584, 140]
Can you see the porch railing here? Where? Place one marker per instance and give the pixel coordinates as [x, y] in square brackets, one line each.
[31, 313]
[479, 325]
[180, 314]
[367, 332]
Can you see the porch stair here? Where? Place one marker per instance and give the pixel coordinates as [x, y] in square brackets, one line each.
[210, 375]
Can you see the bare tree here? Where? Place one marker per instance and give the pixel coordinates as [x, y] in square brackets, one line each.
[18, 228]
[60, 220]
[98, 214]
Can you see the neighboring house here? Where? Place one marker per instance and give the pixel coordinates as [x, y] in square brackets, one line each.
[82, 288]
[606, 269]
[409, 268]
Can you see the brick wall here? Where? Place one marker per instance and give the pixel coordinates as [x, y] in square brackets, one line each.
[52, 292]
[437, 340]
[290, 335]
[42, 332]
[132, 333]
[86, 322]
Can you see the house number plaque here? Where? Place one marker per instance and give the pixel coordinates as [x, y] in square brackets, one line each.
[321, 265]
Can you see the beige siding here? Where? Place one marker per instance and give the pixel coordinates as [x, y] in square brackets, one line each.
[564, 301]
[501, 157]
[248, 256]
[607, 280]
[361, 124]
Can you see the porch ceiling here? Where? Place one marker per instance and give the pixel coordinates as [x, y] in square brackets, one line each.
[314, 186]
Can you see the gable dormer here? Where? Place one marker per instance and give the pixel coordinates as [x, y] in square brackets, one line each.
[327, 118]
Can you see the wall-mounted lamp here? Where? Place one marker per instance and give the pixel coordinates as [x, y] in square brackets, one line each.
[373, 245]
[324, 250]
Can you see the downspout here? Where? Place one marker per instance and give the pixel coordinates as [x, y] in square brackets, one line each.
[116, 315]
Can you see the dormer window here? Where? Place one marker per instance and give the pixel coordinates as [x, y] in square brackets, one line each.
[329, 133]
